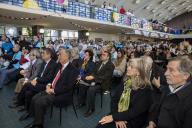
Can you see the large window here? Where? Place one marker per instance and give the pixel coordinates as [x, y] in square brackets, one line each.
[69, 34]
[50, 35]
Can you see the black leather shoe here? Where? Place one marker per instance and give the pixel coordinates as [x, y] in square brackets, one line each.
[13, 106]
[21, 109]
[15, 97]
[89, 112]
[33, 126]
[29, 125]
[24, 117]
[80, 106]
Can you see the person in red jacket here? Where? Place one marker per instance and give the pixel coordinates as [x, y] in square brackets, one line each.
[122, 10]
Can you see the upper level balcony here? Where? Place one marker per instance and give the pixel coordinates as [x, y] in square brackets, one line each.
[93, 14]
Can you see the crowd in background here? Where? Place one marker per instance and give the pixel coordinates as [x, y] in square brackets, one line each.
[143, 79]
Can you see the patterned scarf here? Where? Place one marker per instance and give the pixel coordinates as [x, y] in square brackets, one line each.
[124, 101]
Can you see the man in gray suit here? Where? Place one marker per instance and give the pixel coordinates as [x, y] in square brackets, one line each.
[32, 72]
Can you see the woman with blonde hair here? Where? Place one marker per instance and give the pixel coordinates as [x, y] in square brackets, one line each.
[131, 103]
[120, 64]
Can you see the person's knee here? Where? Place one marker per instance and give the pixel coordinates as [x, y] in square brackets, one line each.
[28, 94]
[100, 126]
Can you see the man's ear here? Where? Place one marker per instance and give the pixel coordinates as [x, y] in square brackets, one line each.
[187, 76]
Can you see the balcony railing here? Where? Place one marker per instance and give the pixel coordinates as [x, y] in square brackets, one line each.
[92, 12]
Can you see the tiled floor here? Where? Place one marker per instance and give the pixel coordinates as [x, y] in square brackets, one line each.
[9, 117]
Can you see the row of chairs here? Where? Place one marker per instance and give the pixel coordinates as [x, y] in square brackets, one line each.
[61, 106]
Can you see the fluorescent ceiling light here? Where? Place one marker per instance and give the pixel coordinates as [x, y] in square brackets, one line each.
[153, 10]
[163, 2]
[137, 1]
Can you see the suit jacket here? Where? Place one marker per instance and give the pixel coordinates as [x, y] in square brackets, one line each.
[48, 75]
[104, 75]
[88, 68]
[49, 72]
[64, 86]
[157, 72]
[34, 70]
[174, 109]
[140, 102]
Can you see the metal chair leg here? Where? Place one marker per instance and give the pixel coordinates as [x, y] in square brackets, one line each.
[51, 114]
[101, 100]
[60, 116]
[74, 109]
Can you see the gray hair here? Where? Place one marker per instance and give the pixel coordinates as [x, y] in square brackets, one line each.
[36, 53]
[67, 51]
[75, 53]
[148, 61]
[185, 64]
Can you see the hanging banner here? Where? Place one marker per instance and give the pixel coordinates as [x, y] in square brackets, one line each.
[146, 33]
[115, 17]
[63, 2]
[32, 4]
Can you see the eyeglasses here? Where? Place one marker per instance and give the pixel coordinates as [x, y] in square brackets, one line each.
[31, 55]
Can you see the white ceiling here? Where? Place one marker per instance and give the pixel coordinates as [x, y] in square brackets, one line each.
[56, 22]
[162, 10]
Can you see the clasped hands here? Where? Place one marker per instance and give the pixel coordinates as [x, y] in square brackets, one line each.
[89, 77]
[49, 90]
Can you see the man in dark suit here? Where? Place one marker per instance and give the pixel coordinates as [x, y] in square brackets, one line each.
[99, 80]
[39, 83]
[175, 107]
[60, 89]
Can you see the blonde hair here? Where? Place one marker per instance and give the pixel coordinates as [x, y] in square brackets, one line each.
[142, 79]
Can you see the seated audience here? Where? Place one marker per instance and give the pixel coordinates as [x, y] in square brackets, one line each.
[175, 107]
[100, 80]
[59, 91]
[14, 64]
[131, 103]
[86, 66]
[39, 83]
[120, 64]
[7, 46]
[32, 71]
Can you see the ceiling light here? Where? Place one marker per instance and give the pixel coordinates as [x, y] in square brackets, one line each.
[147, 7]
[87, 33]
[182, 3]
[11, 31]
[172, 10]
[163, 2]
[160, 14]
[41, 30]
[153, 10]
[137, 1]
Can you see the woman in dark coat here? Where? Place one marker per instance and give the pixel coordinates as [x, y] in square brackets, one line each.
[131, 103]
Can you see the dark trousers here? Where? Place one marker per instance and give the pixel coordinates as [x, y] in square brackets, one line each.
[109, 125]
[38, 106]
[91, 93]
[26, 94]
[15, 75]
